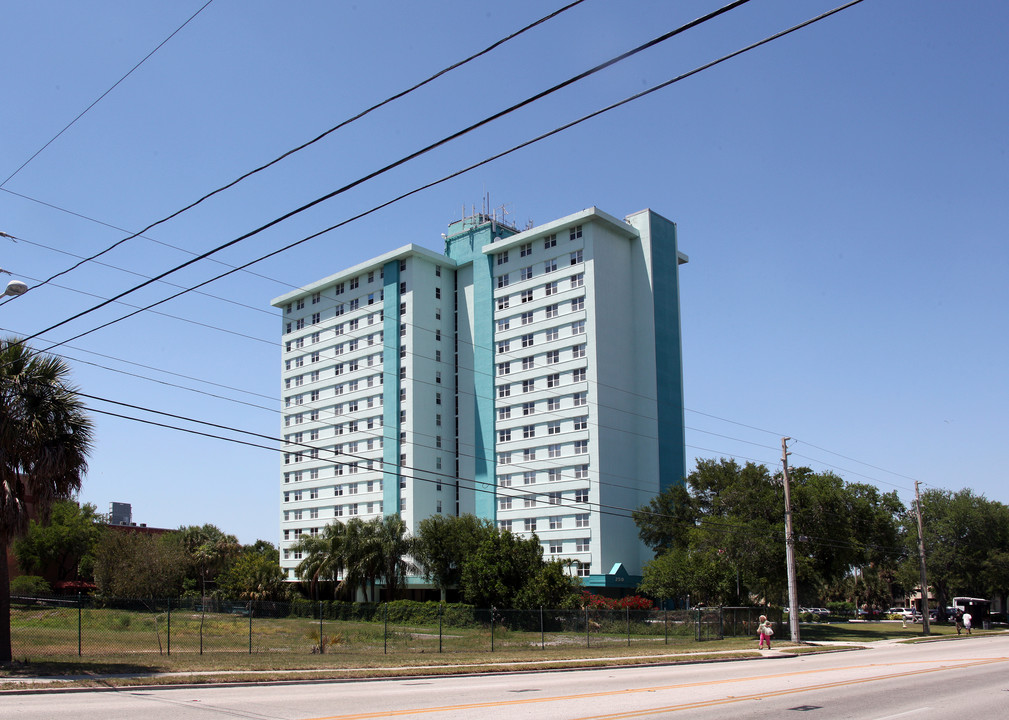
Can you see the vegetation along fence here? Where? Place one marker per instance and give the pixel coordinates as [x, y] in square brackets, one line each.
[103, 627]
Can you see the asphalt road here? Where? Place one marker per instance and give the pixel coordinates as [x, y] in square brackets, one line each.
[952, 679]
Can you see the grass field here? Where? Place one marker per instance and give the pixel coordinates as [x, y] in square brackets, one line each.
[45, 642]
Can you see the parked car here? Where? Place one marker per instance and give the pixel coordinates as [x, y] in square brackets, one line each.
[908, 613]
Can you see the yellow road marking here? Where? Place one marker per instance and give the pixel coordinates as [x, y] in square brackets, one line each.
[945, 665]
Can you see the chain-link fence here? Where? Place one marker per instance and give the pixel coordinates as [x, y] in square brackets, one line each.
[97, 627]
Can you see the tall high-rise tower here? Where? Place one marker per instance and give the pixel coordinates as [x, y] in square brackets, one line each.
[532, 378]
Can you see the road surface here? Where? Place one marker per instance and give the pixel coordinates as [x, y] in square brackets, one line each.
[964, 679]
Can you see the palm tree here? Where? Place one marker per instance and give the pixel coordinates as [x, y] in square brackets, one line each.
[45, 438]
[395, 548]
[322, 556]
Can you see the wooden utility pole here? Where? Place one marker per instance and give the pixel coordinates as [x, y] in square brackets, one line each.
[793, 595]
[925, 629]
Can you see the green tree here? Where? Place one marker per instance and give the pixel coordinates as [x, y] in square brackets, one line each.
[550, 586]
[66, 543]
[210, 552]
[45, 439]
[133, 564]
[323, 556]
[499, 567]
[394, 547]
[966, 537]
[253, 576]
[443, 544]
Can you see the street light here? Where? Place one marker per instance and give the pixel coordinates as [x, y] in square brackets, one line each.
[15, 288]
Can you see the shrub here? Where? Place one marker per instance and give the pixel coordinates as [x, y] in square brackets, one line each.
[30, 585]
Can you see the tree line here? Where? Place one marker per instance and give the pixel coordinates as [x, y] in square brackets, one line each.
[719, 539]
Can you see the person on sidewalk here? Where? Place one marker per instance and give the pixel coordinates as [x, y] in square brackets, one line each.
[765, 631]
[967, 620]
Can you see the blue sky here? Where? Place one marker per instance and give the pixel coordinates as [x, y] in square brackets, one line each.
[842, 195]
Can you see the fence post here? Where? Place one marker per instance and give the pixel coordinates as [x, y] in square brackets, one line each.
[169, 630]
[79, 614]
[543, 644]
[441, 609]
[665, 623]
[385, 628]
[250, 627]
[322, 647]
[586, 626]
[627, 615]
[492, 628]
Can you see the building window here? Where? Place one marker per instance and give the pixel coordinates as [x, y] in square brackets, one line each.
[504, 503]
[504, 435]
[553, 475]
[502, 257]
[503, 302]
[504, 368]
[527, 340]
[582, 545]
[503, 458]
[581, 447]
[527, 363]
[551, 288]
[505, 525]
[578, 327]
[576, 257]
[551, 334]
[529, 454]
[580, 399]
[575, 233]
[503, 346]
[549, 241]
[582, 496]
[437, 293]
[502, 280]
[504, 391]
[528, 408]
[526, 273]
[529, 478]
[553, 380]
[528, 431]
[503, 413]
[526, 249]
[582, 423]
[529, 524]
[582, 520]
[527, 317]
[578, 351]
[550, 265]
[553, 498]
[552, 310]
[577, 280]
[527, 296]
[503, 324]
[553, 451]
[553, 357]
[528, 385]
[504, 480]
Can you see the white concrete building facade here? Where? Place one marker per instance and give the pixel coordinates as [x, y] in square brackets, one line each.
[532, 378]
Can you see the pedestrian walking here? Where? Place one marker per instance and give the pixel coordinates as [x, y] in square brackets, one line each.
[967, 620]
[958, 620]
[764, 630]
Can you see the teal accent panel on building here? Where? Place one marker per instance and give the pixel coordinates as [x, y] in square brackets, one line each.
[668, 352]
[391, 448]
[466, 247]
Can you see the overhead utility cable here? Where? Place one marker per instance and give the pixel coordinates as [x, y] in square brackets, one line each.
[102, 96]
[415, 154]
[314, 140]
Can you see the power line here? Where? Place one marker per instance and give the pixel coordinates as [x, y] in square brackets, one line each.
[331, 130]
[102, 96]
[405, 159]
